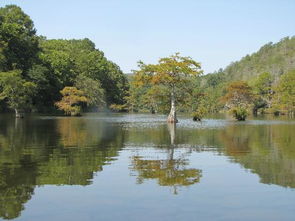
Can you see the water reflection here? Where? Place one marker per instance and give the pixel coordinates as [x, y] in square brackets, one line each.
[63, 151]
[268, 151]
[40, 151]
[170, 171]
[265, 148]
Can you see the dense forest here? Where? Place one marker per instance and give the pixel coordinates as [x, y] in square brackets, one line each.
[33, 70]
[276, 59]
[269, 73]
[71, 76]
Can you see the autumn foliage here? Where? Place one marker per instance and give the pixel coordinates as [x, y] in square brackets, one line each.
[172, 73]
[71, 100]
[238, 99]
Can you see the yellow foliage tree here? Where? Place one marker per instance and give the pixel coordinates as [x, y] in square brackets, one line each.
[71, 100]
[171, 72]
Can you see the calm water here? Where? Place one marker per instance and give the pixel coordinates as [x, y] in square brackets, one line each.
[136, 167]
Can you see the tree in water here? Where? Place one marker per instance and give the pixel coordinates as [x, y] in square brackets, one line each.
[172, 72]
[16, 91]
[71, 100]
[238, 99]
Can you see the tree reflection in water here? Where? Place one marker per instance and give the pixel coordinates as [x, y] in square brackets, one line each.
[69, 151]
[62, 151]
[169, 172]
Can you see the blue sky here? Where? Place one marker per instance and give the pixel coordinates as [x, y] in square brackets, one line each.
[213, 32]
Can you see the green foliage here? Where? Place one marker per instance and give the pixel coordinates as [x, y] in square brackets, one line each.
[92, 90]
[47, 87]
[73, 157]
[195, 101]
[199, 113]
[55, 64]
[69, 59]
[16, 91]
[48, 66]
[262, 70]
[147, 98]
[18, 40]
[71, 100]
[275, 59]
[263, 91]
[263, 83]
[240, 113]
[212, 86]
[285, 92]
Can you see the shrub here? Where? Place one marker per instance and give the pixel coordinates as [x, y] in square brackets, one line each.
[199, 114]
[240, 113]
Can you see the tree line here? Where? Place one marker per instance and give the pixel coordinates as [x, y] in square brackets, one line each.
[42, 75]
[224, 90]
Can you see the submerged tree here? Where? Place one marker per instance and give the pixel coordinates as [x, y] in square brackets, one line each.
[171, 72]
[71, 100]
[16, 91]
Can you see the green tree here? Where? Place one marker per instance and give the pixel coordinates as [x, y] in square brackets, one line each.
[147, 97]
[18, 40]
[274, 58]
[17, 91]
[285, 93]
[263, 90]
[171, 72]
[47, 87]
[92, 90]
[71, 100]
[67, 59]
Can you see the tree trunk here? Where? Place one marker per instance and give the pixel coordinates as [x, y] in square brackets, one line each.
[19, 113]
[172, 132]
[172, 116]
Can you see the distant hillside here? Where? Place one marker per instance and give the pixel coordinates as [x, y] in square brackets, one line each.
[276, 59]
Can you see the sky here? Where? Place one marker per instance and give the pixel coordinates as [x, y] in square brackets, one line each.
[213, 32]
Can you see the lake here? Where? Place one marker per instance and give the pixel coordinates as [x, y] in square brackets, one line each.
[136, 167]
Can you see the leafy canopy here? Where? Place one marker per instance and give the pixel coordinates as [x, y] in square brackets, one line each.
[285, 97]
[70, 101]
[92, 90]
[18, 40]
[16, 90]
[170, 71]
[238, 94]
